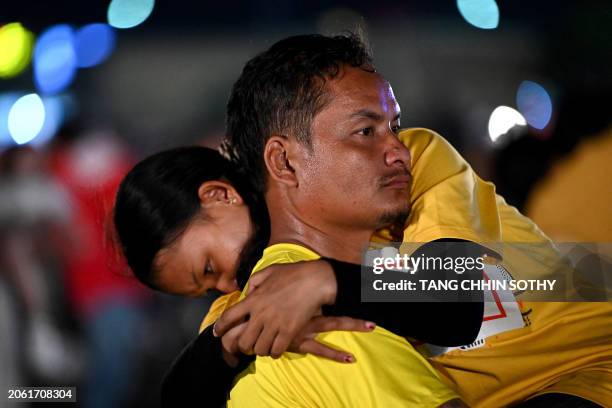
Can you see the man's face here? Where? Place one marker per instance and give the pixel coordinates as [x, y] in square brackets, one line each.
[357, 173]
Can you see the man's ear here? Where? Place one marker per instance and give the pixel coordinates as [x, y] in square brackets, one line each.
[279, 160]
[218, 192]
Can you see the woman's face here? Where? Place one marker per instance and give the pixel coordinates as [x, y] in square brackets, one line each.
[206, 255]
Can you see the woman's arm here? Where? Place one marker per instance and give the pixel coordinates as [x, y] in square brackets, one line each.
[200, 375]
[441, 323]
[210, 363]
[282, 298]
[201, 366]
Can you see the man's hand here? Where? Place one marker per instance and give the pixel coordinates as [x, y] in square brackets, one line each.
[281, 300]
[304, 342]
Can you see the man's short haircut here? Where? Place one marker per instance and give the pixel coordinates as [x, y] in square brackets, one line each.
[280, 91]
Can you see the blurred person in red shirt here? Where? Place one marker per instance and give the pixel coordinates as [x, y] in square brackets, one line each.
[109, 302]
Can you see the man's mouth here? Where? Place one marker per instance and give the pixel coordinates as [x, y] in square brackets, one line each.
[400, 181]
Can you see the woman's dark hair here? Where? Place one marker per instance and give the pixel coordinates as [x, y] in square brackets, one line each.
[158, 199]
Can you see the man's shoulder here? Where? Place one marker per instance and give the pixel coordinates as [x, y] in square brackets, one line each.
[274, 254]
[283, 253]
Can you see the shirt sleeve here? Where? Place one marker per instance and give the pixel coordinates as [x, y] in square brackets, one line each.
[448, 199]
[446, 323]
[199, 376]
[218, 307]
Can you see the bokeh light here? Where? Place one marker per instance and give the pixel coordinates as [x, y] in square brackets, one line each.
[57, 109]
[480, 13]
[54, 117]
[534, 103]
[15, 49]
[502, 120]
[26, 118]
[55, 59]
[93, 43]
[7, 100]
[129, 13]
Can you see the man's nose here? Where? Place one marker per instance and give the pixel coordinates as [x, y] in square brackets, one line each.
[397, 154]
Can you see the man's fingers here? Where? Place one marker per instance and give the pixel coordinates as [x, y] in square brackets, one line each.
[231, 318]
[311, 346]
[321, 324]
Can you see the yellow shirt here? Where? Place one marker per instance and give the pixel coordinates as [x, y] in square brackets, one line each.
[574, 201]
[388, 371]
[528, 347]
[543, 346]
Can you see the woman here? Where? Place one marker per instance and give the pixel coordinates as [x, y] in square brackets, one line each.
[156, 204]
[186, 225]
[183, 219]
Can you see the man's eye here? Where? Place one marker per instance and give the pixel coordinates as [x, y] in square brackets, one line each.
[366, 131]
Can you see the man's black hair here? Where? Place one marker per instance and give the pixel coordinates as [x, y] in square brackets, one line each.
[280, 91]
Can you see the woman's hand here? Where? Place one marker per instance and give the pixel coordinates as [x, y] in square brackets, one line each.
[281, 301]
[303, 343]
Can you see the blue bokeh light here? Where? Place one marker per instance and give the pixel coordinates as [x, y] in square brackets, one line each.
[55, 59]
[534, 103]
[54, 117]
[129, 13]
[480, 13]
[26, 118]
[93, 43]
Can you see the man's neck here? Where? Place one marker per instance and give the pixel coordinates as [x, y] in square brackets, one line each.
[344, 244]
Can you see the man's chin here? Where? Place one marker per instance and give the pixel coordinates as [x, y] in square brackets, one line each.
[394, 217]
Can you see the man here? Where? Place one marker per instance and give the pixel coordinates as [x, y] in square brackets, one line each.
[337, 151]
[309, 219]
[340, 148]
[467, 332]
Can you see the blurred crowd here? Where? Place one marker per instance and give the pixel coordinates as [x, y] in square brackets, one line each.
[70, 313]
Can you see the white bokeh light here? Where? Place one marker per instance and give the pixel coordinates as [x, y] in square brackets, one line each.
[502, 120]
[26, 118]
